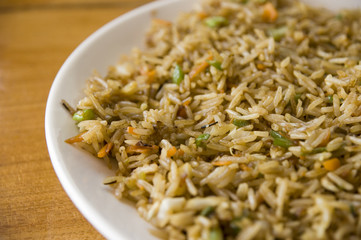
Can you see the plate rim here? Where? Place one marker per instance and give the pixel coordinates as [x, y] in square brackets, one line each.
[84, 207]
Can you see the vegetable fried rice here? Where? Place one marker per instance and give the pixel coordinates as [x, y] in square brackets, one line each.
[241, 120]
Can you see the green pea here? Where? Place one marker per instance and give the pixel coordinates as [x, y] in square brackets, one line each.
[178, 74]
[215, 234]
[201, 138]
[215, 63]
[279, 140]
[207, 211]
[240, 123]
[85, 114]
[216, 21]
[278, 33]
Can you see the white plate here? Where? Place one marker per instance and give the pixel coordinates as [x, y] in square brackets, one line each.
[80, 173]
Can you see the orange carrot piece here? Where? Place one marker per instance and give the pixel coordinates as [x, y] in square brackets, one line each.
[202, 15]
[187, 102]
[77, 138]
[141, 149]
[131, 130]
[270, 13]
[221, 163]
[105, 150]
[162, 22]
[151, 75]
[332, 164]
[260, 66]
[199, 68]
[172, 151]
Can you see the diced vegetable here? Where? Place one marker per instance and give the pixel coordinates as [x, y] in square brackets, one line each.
[215, 234]
[332, 164]
[270, 13]
[201, 138]
[216, 21]
[85, 114]
[202, 15]
[278, 33]
[141, 149]
[240, 123]
[172, 151]
[198, 69]
[260, 66]
[131, 130]
[221, 163]
[187, 102]
[151, 76]
[215, 63]
[319, 150]
[178, 74]
[279, 140]
[207, 211]
[329, 99]
[105, 150]
[77, 138]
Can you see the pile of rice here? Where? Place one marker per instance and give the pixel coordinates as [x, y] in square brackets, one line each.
[259, 138]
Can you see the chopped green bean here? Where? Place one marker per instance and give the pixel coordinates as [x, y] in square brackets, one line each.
[215, 63]
[215, 234]
[279, 140]
[216, 21]
[178, 74]
[319, 150]
[240, 123]
[85, 114]
[201, 138]
[207, 211]
[278, 33]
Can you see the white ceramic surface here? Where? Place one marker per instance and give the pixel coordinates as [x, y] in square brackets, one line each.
[81, 174]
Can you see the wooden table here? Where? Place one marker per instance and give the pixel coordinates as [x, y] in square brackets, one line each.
[36, 36]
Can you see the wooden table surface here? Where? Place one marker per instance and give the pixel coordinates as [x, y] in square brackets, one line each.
[36, 36]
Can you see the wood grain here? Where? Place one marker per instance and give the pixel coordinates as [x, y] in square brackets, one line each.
[35, 39]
